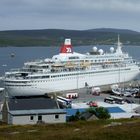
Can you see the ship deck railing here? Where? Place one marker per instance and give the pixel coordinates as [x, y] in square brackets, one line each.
[93, 67]
[41, 74]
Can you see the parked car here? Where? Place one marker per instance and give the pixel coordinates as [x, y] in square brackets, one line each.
[129, 101]
[92, 104]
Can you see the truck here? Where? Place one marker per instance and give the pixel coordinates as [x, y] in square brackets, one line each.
[72, 95]
[95, 91]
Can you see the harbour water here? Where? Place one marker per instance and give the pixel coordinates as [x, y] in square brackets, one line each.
[14, 57]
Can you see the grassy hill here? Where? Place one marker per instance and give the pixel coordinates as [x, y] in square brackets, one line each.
[127, 129]
[55, 37]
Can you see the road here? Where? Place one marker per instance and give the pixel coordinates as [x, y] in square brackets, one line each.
[85, 96]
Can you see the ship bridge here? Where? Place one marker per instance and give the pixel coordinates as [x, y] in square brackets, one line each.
[68, 56]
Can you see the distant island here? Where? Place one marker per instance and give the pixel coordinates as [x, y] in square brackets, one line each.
[55, 37]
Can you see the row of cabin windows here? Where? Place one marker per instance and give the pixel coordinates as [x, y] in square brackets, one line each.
[110, 60]
[41, 81]
[38, 77]
[54, 76]
[73, 74]
[43, 77]
[59, 79]
[101, 60]
[104, 60]
[78, 74]
[40, 117]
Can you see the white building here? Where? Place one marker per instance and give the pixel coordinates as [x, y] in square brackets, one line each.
[32, 111]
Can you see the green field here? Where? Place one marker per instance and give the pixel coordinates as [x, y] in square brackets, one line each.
[124, 129]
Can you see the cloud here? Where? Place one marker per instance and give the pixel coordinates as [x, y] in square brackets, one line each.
[67, 5]
[68, 13]
[113, 5]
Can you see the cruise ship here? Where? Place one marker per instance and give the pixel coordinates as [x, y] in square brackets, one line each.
[70, 70]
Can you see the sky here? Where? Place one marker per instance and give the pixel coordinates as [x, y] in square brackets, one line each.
[69, 14]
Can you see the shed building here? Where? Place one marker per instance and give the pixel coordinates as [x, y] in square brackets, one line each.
[32, 111]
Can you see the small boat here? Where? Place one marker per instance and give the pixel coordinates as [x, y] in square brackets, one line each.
[12, 55]
[1, 89]
[117, 92]
[127, 92]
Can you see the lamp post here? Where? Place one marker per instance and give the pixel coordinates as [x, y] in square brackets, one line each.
[77, 81]
[139, 92]
[5, 93]
[137, 85]
[4, 68]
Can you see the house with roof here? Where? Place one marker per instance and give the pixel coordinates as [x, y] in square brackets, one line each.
[32, 111]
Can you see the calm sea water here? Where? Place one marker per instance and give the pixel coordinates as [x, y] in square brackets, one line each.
[24, 54]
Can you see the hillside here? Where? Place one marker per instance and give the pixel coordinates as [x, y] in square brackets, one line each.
[55, 37]
[83, 130]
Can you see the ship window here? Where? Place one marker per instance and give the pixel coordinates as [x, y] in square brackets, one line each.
[45, 66]
[47, 76]
[74, 57]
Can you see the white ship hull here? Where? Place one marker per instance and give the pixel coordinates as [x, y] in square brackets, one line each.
[98, 78]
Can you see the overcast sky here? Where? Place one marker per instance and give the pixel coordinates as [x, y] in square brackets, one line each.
[69, 14]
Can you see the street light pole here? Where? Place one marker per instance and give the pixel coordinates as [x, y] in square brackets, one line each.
[5, 93]
[137, 81]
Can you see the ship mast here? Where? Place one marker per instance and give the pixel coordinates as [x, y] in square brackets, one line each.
[119, 46]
